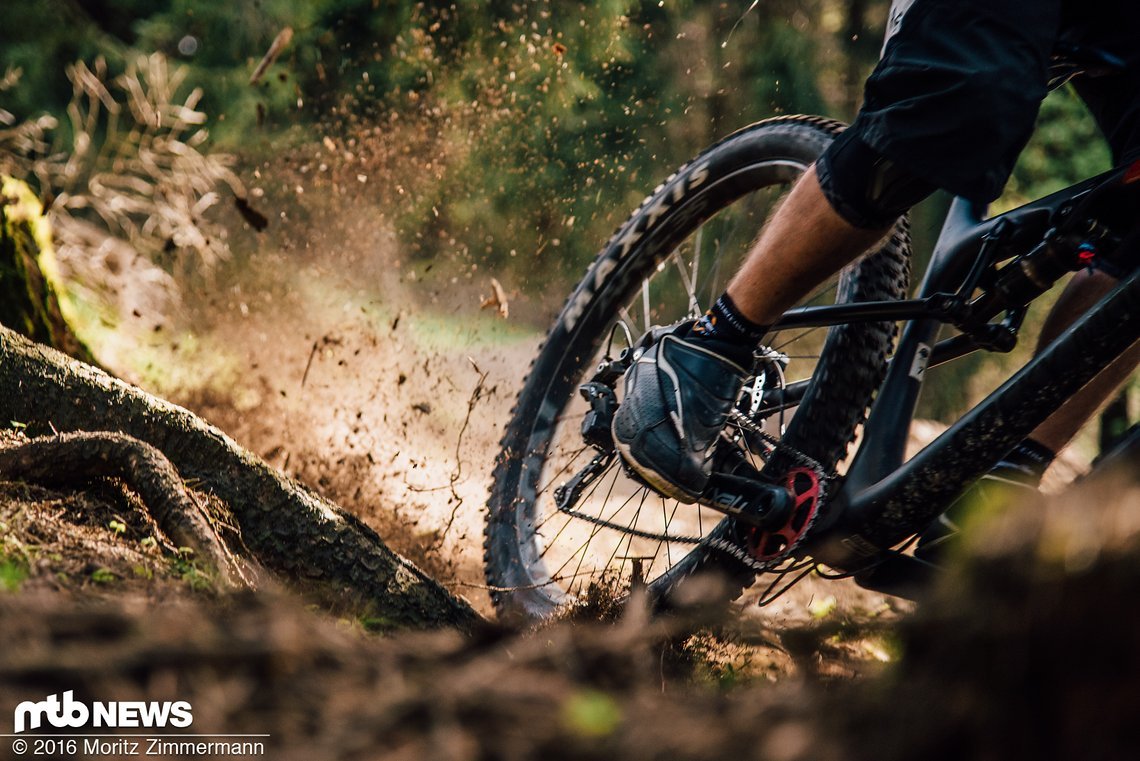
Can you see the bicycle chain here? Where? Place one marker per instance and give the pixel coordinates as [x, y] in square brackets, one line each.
[726, 546]
[607, 458]
[741, 553]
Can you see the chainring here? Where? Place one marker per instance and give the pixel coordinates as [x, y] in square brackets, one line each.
[774, 545]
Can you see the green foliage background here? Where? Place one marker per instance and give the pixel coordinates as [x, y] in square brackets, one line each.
[551, 118]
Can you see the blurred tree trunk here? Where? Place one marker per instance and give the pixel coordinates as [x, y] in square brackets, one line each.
[28, 302]
[300, 536]
[853, 44]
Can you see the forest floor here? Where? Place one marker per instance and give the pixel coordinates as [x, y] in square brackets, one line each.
[1025, 651]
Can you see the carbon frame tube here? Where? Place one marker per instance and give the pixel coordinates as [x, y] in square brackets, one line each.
[955, 255]
[888, 425]
[887, 512]
[865, 311]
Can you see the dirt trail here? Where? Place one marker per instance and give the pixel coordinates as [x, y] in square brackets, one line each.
[386, 404]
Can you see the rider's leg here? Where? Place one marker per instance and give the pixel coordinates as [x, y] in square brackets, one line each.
[1084, 290]
[844, 204]
[803, 243]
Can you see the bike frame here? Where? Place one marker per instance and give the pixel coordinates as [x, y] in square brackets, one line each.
[883, 499]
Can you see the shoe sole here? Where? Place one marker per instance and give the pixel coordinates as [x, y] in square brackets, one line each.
[654, 479]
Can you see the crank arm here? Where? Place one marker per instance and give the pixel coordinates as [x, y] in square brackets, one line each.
[748, 500]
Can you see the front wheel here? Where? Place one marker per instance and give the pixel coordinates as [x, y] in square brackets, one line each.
[670, 261]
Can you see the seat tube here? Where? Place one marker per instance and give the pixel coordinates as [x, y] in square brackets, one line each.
[885, 433]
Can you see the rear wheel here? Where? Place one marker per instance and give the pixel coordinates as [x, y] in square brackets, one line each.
[670, 261]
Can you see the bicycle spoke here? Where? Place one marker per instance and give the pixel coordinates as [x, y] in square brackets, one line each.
[696, 271]
[627, 318]
[827, 289]
[569, 520]
[563, 470]
[594, 529]
[668, 519]
[645, 302]
[630, 525]
[714, 279]
[653, 558]
[795, 338]
[694, 307]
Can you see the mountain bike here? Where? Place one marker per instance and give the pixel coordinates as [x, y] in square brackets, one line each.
[566, 517]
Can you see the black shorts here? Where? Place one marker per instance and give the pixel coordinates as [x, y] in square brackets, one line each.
[956, 94]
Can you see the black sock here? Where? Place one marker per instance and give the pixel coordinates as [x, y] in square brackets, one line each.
[728, 332]
[1028, 461]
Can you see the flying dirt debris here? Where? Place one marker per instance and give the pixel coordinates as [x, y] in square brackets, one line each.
[497, 300]
[280, 42]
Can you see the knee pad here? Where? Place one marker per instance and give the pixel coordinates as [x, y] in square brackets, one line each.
[865, 187]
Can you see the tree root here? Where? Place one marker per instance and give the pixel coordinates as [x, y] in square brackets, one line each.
[77, 458]
[291, 531]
